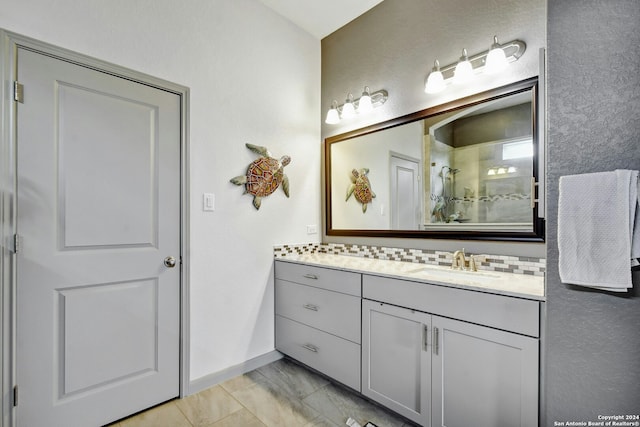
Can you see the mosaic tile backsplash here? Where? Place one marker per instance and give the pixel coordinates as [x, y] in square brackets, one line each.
[507, 264]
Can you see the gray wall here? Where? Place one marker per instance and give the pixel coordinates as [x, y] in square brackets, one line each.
[592, 349]
[393, 47]
[505, 123]
[593, 338]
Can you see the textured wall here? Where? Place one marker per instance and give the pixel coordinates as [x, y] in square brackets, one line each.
[254, 77]
[593, 338]
[393, 47]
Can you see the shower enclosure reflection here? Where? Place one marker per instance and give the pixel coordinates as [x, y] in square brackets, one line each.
[481, 164]
[444, 205]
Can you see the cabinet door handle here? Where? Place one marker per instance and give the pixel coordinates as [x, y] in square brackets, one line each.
[311, 276]
[311, 307]
[425, 335]
[436, 337]
[310, 347]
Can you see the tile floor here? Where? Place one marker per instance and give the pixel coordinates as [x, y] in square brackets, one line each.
[280, 394]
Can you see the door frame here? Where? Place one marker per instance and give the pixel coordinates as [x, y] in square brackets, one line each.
[9, 44]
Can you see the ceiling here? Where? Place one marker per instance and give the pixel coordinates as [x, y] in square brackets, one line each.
[320, 17]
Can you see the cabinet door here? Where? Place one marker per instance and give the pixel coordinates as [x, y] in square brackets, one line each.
[396, 359]
[483, 377]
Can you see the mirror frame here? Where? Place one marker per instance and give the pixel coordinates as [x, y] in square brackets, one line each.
[538, 232]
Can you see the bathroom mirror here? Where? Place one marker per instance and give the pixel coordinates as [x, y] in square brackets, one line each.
[463, 170]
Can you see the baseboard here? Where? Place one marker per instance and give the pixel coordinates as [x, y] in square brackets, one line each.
[210, 380]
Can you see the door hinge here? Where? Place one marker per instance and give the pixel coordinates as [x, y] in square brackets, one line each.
[15, 395]
[17, 243]
[18, 92]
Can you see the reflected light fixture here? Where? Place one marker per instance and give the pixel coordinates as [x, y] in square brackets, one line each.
[464, 70]
[501, 170]
[494, 60]
[351, 107]
[435, 81]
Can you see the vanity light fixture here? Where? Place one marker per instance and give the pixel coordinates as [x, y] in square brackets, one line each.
[365, 105]
[333, 116]
[494, 60]
[464, 70]
[435, 81]
[348, 110]
[367, 102]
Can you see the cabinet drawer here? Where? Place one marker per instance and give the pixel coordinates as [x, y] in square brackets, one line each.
[333, 312]
[319, 277]
[333, 356]
[498, 311]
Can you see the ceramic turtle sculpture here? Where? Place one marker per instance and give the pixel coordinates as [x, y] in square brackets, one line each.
[361, 188]
[264, 175]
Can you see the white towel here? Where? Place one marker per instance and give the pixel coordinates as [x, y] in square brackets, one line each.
[634, 195]
[599, 229]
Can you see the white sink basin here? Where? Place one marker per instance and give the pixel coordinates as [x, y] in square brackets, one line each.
[444, 273]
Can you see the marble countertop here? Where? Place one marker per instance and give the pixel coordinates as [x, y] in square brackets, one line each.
[496, 282]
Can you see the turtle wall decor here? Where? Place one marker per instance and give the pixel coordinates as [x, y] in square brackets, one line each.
[264, 175]
[360, 187]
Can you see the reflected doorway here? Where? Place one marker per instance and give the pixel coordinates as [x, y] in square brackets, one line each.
[406, 209]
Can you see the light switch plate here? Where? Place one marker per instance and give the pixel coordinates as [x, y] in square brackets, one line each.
[208, 202]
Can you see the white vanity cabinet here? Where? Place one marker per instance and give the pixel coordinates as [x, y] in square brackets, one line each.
[438, 355]
[482, 377]
[465, 373]
[318, 319]
[396, 359]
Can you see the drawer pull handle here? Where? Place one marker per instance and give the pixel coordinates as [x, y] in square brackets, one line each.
[425, 334]
[310, 347]
[436, 341]
[311, 307]
[311, 276]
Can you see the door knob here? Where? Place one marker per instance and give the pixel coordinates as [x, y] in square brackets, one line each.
[170, 262]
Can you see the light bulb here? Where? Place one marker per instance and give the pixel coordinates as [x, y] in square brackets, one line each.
[364, 105]
[491, 172]
[348, 110]
[511, 169]
[464, 70]
[435, 81]
[496, 58]
[501, 171]
[332, 115]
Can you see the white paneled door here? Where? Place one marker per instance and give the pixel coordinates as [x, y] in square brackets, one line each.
[405, 193]
[98, 208]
